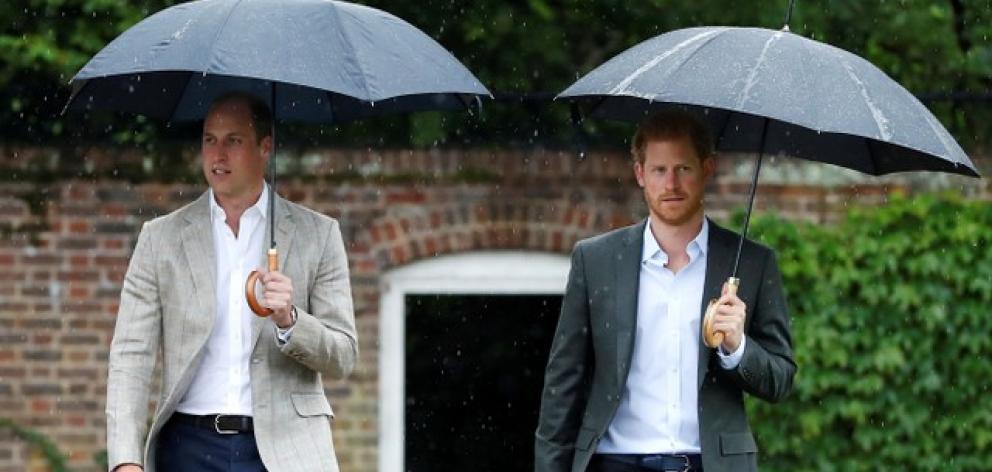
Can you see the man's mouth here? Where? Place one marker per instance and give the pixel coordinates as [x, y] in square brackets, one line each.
[219, 171]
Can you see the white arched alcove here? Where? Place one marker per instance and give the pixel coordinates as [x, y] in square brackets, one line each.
[489, 272]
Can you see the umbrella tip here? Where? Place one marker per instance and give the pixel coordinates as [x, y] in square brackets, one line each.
[788, 15]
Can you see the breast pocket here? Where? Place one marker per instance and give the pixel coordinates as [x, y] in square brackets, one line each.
[737, 443]
[311, 404]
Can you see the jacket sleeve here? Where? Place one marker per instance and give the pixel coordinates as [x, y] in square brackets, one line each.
[324, 338]
[132, 355]
[567, 377]
[767, 367]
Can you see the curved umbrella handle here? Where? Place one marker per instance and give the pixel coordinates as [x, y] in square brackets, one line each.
[712, 338]
[257, 308]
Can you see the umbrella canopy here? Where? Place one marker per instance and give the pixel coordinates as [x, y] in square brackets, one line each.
[311, 60]
[775, 92]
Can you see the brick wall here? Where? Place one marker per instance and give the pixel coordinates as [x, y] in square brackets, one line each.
[65, 244]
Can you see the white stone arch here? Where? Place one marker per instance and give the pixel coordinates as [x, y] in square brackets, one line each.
[480, 272]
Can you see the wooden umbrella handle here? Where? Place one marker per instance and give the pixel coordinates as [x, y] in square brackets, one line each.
[257, 308]
[713, 338]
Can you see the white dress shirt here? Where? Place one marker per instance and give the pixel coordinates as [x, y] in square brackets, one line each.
[658, 406]
[222, 383]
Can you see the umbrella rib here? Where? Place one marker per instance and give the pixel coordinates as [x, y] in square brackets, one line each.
[358, 64]
[745, 94]
[220, 30]
[182, 92]
[623, 88]
[937, 129]
[876, 113]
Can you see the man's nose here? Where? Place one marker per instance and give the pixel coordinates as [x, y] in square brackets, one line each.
[671, 180]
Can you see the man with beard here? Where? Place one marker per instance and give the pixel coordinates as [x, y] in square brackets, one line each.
[629, 385]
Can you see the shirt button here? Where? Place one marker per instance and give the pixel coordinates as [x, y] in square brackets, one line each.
[256, 361]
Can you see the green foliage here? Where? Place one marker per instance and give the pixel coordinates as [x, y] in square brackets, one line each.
[55, 459]
[515, 48]
[890, 313]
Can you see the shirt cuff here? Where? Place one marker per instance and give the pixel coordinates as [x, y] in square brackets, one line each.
[732, 360]
[283, 335]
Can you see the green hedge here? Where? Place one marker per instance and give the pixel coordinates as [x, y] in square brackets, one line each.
[891, 316]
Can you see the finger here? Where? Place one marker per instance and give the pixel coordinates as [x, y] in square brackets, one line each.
[731, 310]
[276, 301]
[275, 279]
[727, 327]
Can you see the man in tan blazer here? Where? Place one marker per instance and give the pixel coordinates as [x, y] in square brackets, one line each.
[239, 392]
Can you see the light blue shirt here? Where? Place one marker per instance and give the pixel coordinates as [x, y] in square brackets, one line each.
[658, 411]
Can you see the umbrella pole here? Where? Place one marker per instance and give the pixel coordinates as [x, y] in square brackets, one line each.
[272, 177]
[272, 256]
[750, 202]
[711, 337]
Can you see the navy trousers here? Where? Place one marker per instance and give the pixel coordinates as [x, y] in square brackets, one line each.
[187, 448]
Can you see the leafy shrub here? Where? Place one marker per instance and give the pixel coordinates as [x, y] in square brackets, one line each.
[891, 315]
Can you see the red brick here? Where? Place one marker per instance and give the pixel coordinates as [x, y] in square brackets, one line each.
[113, 244]
[79, 226]
[41, 405]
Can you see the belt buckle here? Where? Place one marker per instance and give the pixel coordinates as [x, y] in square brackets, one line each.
[222, 431]
[688, 465]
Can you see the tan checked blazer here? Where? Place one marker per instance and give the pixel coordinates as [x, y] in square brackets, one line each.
[167, 306]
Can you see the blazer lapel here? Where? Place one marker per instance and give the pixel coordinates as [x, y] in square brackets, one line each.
[197, 241]
[285, 229]
[628, 274]
[719, 260]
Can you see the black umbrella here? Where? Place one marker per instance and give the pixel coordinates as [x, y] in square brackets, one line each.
[310, 60]
[774, 92]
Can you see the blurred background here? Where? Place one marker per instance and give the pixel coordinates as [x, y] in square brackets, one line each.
[889, 279]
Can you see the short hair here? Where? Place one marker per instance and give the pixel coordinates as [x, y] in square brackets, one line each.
[672, 123]
[261, 115]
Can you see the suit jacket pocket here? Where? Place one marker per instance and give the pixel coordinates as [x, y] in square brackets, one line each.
[311, 404]
[586, 439]
[737, 443]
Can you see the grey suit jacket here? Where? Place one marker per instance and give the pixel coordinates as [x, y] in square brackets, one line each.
[167, 305]
[591, 353]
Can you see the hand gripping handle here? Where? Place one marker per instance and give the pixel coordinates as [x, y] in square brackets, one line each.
[712, 338]
[256, 307]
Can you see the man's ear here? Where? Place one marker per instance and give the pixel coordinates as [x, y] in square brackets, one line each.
[639, 173]
[266, 145]
[709, 167]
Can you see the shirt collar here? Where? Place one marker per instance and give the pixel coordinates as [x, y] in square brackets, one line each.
[698, 246]
[216, 212]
